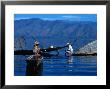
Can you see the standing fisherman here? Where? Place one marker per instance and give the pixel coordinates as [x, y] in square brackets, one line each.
[36, 50]
[33, 66]
[69, 53]
[69, 50]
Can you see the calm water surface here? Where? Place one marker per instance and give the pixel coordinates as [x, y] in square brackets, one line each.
[60, 66]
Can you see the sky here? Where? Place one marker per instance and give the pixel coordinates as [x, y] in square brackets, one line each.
[71, 17]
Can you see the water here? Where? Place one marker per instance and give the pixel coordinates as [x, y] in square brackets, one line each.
[60, 66]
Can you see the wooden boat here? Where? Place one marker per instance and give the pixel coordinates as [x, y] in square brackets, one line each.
[33, 66]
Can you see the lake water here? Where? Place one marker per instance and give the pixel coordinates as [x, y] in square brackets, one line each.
[60, 66]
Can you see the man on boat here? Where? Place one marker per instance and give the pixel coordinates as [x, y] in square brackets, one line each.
[69, 51]
[36, 50]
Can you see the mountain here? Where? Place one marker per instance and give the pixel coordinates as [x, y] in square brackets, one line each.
[89, 48]
[53, 32]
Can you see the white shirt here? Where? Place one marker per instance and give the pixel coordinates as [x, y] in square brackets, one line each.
[70, 48]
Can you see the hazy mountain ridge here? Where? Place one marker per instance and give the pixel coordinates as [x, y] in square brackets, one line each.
[57, 32]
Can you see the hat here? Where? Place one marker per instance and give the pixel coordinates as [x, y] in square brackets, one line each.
[36, 42]
[68, 43]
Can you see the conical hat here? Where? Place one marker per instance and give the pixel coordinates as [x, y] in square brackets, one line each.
[68, 43]
[36, 42]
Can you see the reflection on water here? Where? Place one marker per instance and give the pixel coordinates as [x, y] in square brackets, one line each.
[70, 59]
[60, 66]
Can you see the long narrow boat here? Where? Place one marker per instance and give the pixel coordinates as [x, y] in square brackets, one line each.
[33, 66]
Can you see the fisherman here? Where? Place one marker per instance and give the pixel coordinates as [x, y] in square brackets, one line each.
[36, 50]
[69, 51]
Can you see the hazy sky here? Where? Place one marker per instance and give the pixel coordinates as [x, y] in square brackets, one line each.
[72, 17]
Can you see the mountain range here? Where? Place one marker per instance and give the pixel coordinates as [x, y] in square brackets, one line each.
[53, 32]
